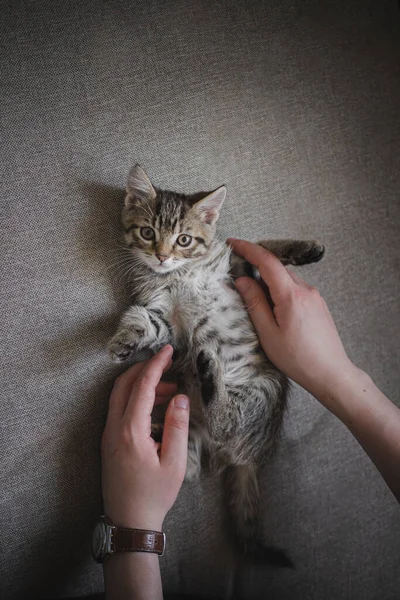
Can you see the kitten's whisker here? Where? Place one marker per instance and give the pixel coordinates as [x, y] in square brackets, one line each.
[118, 267]
[124, 267]
[120, 261]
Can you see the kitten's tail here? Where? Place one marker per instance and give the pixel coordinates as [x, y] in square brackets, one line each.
[244, 501]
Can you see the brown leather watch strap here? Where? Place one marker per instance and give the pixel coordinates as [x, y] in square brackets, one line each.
[137, 540]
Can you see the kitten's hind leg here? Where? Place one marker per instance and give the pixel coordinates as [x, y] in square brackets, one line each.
[193, 466]
[295, 252]
[220, 414]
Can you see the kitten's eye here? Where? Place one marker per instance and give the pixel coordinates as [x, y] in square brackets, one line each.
[184, 240]
[147, 233]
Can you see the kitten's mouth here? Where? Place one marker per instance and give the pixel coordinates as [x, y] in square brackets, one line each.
[157, 266]
[162, 266]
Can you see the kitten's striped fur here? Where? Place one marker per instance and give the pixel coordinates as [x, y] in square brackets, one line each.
[237, 396]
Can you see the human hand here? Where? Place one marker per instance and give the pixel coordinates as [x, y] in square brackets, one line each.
[140, 477]
[298, 334]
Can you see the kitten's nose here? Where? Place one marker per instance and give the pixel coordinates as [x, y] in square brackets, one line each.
[161, 257]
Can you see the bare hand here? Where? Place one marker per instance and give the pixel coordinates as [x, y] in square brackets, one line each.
[141, 478]
[298, 334]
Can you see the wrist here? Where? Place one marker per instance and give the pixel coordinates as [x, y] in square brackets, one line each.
[136, 520]
[334, 391]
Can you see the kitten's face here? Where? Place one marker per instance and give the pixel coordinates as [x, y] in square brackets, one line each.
[164, 230]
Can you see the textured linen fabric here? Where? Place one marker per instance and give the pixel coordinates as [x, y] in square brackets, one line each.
[295, 106]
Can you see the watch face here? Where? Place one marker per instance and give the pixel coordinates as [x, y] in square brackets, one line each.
[99, 540]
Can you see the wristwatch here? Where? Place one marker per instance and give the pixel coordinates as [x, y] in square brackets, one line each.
[108, 539]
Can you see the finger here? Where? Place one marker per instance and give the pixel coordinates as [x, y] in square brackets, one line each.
[141, 400]
[121, 391]
[175, 435]
[298, 280]
[123, 386]
[271, 270]
[257, 306]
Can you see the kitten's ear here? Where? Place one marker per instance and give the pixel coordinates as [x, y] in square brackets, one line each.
[208, 208]
[139, 186]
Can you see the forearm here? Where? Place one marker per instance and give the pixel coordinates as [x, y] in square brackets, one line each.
[133, 576]
[373, 420]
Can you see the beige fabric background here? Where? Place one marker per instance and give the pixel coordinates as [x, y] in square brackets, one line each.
[295, 106]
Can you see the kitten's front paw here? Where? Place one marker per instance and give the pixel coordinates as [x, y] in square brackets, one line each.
[305, 253]
[135, 332]
[123, 345]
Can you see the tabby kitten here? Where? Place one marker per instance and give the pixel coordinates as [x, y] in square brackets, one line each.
[184, 295]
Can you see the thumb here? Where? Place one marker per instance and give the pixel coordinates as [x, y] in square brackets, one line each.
[175, 435]
[257, 305]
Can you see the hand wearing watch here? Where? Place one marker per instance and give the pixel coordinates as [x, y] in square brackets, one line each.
[109, 539]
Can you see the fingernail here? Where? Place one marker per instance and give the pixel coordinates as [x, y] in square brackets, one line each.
[231, 239]
[181, 402]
